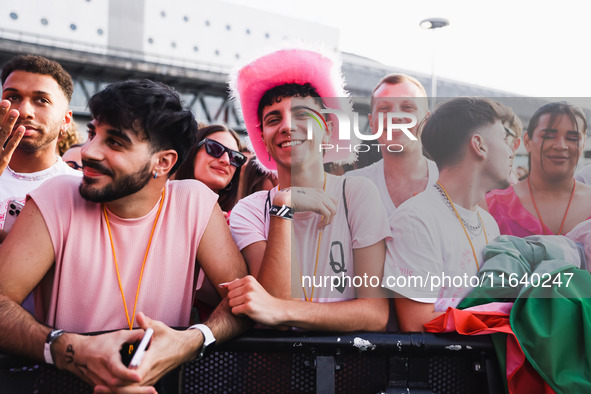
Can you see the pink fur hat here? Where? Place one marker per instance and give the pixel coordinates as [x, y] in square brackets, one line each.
[300, 66]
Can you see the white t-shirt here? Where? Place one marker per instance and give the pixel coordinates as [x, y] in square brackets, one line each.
[249, 223]
[429, 245]
[18, 185]
[375, 172]
[15, 185]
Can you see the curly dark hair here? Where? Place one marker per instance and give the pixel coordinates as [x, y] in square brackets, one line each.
[40, 65]
[152, 110]
[278, 93]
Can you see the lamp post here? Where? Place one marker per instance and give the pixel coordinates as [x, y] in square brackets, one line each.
[433, 24]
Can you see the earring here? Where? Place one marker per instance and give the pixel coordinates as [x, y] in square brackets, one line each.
[155, 174]
[269, 157]
[227, 188]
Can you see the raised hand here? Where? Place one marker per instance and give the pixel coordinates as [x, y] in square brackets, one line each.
[8, 119]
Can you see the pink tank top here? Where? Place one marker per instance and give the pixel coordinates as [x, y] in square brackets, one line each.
[85, 294]
[511, 215]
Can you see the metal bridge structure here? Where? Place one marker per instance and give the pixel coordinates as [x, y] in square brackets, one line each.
[190, 45]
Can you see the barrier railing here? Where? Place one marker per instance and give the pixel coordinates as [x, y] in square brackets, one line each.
[265, 361]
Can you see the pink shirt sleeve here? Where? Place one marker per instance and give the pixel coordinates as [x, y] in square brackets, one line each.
[247, 222]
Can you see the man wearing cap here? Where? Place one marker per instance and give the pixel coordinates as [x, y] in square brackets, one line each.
[333, 232]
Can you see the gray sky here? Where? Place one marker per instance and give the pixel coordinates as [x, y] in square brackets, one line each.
[537, 48]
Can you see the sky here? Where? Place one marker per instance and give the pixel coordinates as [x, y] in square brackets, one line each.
[533, 48]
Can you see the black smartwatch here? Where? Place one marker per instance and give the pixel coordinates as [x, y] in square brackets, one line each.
[283, 211]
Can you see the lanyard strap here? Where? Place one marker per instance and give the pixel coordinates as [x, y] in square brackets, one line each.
[572, 193]
[130, 321]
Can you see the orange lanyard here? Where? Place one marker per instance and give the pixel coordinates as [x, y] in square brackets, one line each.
[130, 321]
[464, 227]
[531, 193]
[317, 253]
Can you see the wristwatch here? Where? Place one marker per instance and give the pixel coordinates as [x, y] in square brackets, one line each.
[208, 340]
[283, 211]
[51, 337]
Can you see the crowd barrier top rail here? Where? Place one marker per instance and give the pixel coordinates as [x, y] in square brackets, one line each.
[265, 360]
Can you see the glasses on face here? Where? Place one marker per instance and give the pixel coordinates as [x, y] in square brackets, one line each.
[215, 149]
[74, 165]
[510, 135]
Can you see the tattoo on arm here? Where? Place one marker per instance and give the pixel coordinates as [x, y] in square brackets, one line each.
[70, 354]
[70, 359]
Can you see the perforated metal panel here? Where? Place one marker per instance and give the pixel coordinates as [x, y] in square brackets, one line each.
[53, 381]
[456, 376]
[226, 372]
[297, 366]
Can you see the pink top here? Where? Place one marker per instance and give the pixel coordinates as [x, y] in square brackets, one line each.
[85, 295]
[511, 215]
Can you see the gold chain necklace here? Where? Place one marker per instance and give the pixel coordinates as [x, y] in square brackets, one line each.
[316, 262]
[464, 227]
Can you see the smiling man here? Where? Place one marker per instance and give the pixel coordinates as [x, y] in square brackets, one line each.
[307, 239]
[125, 240]
[403, 171]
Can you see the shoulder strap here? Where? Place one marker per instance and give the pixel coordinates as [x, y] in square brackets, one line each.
[345, 203]
[267, 205]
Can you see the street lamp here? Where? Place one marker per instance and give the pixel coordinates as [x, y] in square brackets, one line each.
[433, 24]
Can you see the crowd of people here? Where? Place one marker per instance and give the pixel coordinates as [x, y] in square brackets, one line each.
[156, 215]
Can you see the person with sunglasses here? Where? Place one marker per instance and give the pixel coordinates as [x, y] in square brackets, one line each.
[216, 160]
[549, 201]
[73, 156]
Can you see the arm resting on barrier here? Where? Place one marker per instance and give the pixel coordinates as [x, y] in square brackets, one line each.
[412, 315]
[222, 262]
[248, 297]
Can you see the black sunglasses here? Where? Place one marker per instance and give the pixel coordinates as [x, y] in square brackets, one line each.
[74, 165]
[215, 149]
[510, 133]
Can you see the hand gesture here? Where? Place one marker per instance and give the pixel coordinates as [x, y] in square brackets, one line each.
[248, 297]
[8, 119]
[96, 359]
[307, 199]
[168, 349]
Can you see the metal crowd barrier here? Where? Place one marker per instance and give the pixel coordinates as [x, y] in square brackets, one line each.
[266, 361]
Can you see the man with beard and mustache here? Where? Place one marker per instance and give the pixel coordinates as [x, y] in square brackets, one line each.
[125, 230]
[34, 110]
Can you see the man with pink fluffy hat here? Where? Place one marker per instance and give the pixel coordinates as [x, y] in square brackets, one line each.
[315, 238]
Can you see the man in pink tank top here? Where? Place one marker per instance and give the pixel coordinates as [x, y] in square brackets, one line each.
[124, 242]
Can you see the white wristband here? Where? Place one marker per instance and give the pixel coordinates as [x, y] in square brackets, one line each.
[51, 338]
[208, 339]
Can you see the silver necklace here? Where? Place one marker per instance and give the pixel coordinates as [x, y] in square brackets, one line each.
[474, 230]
